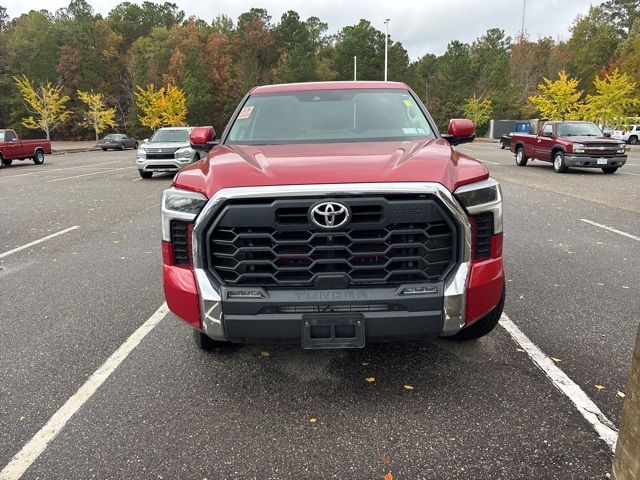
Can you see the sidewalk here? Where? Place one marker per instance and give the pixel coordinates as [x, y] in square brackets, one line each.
[70, 147]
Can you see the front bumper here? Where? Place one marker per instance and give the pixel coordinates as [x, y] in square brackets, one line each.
[591, 161]
[469, 292]
[161, 165]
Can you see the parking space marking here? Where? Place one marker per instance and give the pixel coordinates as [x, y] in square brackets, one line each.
[87, 174]
[39, 442]
[35, 242]
[60, 169]
[589, 410]
[611, 229]
[136, 179]
[629, 173]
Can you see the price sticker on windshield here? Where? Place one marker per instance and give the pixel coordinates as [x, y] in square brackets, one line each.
[245, 113]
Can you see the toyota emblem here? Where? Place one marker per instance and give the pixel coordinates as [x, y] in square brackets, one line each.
[330, 214]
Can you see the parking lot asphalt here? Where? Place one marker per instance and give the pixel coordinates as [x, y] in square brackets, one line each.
[476, 410]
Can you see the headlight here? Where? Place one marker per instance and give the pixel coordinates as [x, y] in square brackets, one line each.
[141, 154]
[621, 148]
[481, 197]
[179, 204]
[578, 148]
[184, 154]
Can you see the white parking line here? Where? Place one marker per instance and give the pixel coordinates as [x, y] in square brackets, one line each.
[629, 173]
[35, 242]
[60, 169]
[589, 410]
[611, 229]
[87, 174]
[39, 442]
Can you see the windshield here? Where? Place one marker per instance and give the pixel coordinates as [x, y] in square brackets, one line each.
[576, 129]
[171, 135]
[329, 116]
[111, 136]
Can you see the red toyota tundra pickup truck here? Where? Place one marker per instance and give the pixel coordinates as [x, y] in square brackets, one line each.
[12, 148]
[330, 215]
[570, 144]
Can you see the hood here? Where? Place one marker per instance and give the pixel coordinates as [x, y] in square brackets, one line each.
[330, 163]
[591, 139]
[167, 145]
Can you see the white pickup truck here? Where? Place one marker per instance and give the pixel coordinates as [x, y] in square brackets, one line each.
[629, 135]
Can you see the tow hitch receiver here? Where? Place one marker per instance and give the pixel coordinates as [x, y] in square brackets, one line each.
[333, 330]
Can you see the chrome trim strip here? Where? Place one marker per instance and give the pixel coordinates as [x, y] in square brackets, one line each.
[494, 207]
[455, 285]
[168, 215]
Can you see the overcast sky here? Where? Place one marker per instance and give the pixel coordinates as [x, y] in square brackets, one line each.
[423, 26]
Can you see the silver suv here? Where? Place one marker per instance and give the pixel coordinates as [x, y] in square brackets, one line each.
[168, 150]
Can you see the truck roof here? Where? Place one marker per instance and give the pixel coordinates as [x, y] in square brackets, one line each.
[348, 85]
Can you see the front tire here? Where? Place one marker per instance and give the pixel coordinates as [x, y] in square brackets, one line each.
[558, 163]
[144, 174]
[483, 326]
[609, 169]
[502, 145]
[205, 343]
[6, 163]
[104, 149]
[521, 158]
[38, 158]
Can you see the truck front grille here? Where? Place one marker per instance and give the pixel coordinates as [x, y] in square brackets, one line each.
[388, 241]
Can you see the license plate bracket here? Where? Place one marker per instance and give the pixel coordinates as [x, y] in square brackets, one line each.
[332, 330]
[603, 161]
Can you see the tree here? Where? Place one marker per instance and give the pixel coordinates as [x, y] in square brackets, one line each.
[367, 43]
[478, 110]
[615, 98]
[622, 14]
[163, 107]
[46, 103]
[559, 99]
[97, 116]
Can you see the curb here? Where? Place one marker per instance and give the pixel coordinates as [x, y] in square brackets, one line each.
[74, 150]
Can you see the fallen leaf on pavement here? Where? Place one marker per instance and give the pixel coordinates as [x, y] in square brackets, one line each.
[365, 363]
[370, 379]
[313, 420]
[265, 354]
[408, 387]
[388, 476]
[519, 350]
[386, 459]
[556, 359]
[600, 387]
[621, 394]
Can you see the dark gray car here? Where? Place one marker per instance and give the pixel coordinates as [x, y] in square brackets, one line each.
[117, 141]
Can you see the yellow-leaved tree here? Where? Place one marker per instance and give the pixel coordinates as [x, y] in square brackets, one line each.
[558, 99]
[161, 107]
[46, 104]
[97, 115]
[478, 110]
[615, 98]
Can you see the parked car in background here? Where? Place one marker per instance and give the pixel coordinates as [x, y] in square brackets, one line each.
[570, 144]
[505, 140]
[12, 148]
[117, 141]
[168, 150]
[629, 135]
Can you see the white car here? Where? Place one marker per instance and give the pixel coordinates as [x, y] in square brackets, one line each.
[629, 135]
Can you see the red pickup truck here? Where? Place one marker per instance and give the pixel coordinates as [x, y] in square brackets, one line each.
[570, 144]
[12, 148]
[329, 215]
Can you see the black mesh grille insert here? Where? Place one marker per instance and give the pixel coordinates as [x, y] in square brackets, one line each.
[388, 241]
[483, 232]
[179, 232]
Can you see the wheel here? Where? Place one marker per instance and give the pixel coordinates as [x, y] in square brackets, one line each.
[609, 169]
[558, 163]
[501, 144]
[122, 146]
[104, 149]
[521, 158]
[6, 163]
[205, 343]
[38, 159]
[135, 145]
[144, 174]
[633, 139]
[483, 326]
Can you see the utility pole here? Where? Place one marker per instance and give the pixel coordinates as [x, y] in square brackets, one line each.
[524, 9]
[355, 63]
[386, 47]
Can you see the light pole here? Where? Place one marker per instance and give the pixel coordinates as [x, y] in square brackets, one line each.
[386, 47]
[355, 63]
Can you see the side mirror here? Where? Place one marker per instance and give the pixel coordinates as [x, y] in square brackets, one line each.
[145, 140]
[202, 138]
[460, 131]
[607, 134]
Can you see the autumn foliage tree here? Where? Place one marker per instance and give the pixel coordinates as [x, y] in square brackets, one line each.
[46, 103]
[558, 99]
[97, 115]
[615, 98]
[161, 107]
[478, 110]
